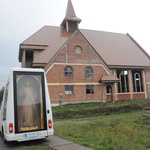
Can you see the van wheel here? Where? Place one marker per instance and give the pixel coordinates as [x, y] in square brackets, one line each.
[5, 141]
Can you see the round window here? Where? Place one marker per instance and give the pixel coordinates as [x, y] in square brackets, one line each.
[78, 49]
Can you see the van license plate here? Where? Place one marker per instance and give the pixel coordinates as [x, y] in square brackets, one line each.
[31, 135]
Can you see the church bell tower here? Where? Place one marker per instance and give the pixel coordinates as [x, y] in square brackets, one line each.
[70, 22]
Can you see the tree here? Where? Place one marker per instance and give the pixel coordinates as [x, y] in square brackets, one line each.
[1, 94]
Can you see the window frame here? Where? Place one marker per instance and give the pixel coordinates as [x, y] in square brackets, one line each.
[89, 89]
[78, 49]
[137, 81]
[123, 85]
[89, 73]
[68, 73]
[69, 89]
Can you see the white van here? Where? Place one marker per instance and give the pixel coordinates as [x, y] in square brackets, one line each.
[25, 113]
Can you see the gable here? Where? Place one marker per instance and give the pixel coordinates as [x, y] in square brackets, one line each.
[68, 53]
[87, 55]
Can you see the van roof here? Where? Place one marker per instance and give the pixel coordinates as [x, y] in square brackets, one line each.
[27, 69]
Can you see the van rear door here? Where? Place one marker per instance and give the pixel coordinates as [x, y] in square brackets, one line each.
[29, 101]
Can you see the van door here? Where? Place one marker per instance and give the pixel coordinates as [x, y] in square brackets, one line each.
[29, 101]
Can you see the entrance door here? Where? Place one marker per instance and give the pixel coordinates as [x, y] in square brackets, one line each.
[109, 93]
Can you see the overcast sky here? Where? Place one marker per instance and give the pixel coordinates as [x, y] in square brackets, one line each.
[19, 19]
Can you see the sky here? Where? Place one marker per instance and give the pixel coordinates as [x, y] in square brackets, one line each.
[19, 19]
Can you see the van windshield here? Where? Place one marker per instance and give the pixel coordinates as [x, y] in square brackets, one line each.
[29, 96]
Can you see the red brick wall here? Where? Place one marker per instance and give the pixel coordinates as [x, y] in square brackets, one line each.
[128, 96]
[84, 57]
[88, 57]
[108, 97]
[147, 75]
[56, 74]
[123, 96]
[79, 94]
[54, 93]
[61, 57]
[138, 95]
[55, 78]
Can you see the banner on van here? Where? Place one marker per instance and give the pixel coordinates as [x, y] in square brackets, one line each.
[29, 102]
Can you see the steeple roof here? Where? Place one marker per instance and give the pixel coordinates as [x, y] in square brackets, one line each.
[70, 14]
[70, 10]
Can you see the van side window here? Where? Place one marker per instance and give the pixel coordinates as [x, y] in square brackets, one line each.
[5, 102]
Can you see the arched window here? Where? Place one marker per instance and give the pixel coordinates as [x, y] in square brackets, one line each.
[137, 82]
[89, 72]
[108, 89]
[68, 71]
[123, 84]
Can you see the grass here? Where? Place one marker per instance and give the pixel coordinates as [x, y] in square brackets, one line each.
[121, 130]
[73, 111]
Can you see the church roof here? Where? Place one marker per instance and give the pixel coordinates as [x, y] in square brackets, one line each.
[114, 48]
[49, 36]
[117, 50]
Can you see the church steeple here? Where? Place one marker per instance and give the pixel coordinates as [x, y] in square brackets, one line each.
[70, 21]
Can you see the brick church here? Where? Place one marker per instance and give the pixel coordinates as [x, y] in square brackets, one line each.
[86, 65]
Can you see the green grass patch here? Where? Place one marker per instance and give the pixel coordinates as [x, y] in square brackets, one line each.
[118, 126]
[116, 133]
[72, 111]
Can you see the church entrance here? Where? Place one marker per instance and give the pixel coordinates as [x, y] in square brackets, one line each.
[109, 93]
